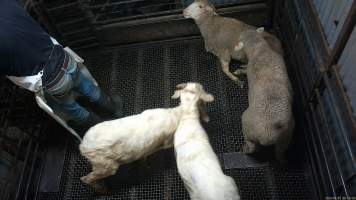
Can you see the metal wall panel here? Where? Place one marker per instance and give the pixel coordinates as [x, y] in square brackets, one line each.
[332, 15]
[305, 48]
[21, 123]
[327, 120]
[347, 69]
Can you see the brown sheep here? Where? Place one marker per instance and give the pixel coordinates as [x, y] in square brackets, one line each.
[221, 34]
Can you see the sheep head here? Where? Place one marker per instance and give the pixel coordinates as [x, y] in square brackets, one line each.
[191, 92]
[199, 9]
[194, 94]
[250, 39]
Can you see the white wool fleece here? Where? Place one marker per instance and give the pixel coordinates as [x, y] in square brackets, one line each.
[197, 162]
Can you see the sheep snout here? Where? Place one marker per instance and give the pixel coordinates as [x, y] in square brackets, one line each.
[194, 10]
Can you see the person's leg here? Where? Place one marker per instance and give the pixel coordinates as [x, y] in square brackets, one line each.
[61, 98]
[76, 116]
[85, 86]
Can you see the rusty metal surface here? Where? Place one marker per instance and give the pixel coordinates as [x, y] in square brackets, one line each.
[332, 15]
[347, 69]
[344, 34]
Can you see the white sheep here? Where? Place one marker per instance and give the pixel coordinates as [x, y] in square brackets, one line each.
[110, 144]
[197, 163]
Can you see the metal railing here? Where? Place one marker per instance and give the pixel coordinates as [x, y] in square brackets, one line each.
[20, 132]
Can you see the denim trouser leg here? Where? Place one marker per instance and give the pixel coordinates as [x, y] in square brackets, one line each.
[86, 87]
[62, 96]
[74, 111]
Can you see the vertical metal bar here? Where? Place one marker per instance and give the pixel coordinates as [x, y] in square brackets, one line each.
[323, 115]
[312, 166]
[4, 189]
[39, 176]
[139, 82]
[6, 194]
[338, 114]
[335, 20]
[23, 170]
[13, 170]
[344, 35]
[35, 154]
[349, 110]
[310, 121]
[323, 151]
[271, 182]
[114, 64]
[166, 76]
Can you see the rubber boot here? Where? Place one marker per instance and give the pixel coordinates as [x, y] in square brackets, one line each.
[112, 104]
[82, 127]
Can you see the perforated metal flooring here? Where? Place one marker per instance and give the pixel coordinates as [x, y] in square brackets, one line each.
[146, 77]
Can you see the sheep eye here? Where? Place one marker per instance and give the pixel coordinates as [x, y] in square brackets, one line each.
[200, 6]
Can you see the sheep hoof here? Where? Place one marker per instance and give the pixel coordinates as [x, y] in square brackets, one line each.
[281, 159]
[247, 149]
[239, 83]
[240, 71]
[101, 189]
[85, 180]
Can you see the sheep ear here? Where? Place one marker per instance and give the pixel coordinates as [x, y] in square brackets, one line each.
[207, 97]
[260, 30]
[239, 46]
[205, 118]
[208, 8]
[176, 94]
[203, 115]
[181, 86]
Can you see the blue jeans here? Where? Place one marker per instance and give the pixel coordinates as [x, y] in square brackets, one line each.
[61, 97]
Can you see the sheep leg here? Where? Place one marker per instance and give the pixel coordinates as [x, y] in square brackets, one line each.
[146, 167]
[282, 146]
[249, 147]
[244, 66]
[247, 124]
[240, 71]
[205, 117]
[91, 179]
[225, 68]
[100, 171]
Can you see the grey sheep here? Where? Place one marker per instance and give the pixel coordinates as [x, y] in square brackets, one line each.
[221, 34]
[269, 119]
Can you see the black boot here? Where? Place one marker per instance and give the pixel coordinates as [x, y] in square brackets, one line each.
[82, 127]
[112, 104]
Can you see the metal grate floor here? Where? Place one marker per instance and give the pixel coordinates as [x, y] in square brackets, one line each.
[146, 77]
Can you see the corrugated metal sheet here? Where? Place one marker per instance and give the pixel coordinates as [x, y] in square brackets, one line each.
[332, 14]
[347, 64]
